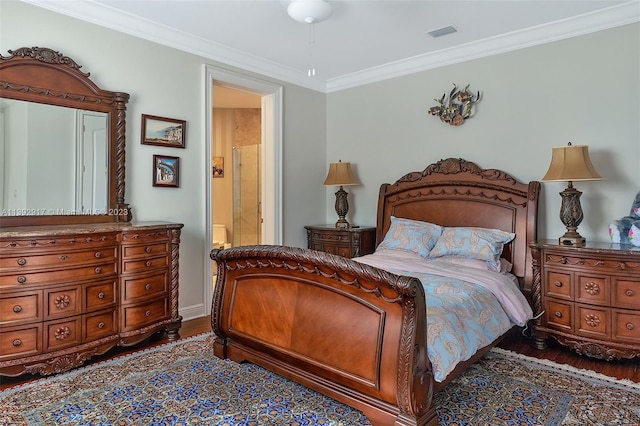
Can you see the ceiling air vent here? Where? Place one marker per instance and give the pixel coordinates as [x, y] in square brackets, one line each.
[442, 31]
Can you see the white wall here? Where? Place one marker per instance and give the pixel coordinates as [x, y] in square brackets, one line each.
[584, 90]
[170, 83]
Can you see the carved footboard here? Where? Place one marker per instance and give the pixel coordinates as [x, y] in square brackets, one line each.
[353, 332]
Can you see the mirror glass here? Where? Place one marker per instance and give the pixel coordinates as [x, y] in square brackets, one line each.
[54, 160]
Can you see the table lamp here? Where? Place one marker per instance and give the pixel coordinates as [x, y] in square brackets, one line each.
[571, 163]
[340, 174]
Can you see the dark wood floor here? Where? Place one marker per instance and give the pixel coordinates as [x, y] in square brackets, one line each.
[625, 369]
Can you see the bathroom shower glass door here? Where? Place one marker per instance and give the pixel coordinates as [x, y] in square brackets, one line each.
[247, 215]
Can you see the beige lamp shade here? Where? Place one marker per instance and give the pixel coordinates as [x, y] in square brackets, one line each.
[340, 174]
[571, 163]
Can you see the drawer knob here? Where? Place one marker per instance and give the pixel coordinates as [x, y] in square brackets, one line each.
[62, 302]
[17, 342]
[629, 292]
[22, 261]
[147, 286]
[558, 284]
[146, 314]
[101, 325]
[558, 314]
[62, 333]
[98, 270]
[147, 249]
[63, 257]
[630, 326]
[148, 263]
[22, 279]
[98, 255]
[17, 309]
[101, 295]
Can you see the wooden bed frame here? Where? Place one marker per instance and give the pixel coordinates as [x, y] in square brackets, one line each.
[353, 332]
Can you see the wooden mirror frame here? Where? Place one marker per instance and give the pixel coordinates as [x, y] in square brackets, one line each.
[42, 75]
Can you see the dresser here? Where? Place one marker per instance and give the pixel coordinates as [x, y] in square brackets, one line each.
[350, 242]
[70, 292]
[587, 298]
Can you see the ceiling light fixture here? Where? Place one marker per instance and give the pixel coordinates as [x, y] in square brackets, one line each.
[310, 12]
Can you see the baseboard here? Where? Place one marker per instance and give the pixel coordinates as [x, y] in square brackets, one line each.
[192, 312]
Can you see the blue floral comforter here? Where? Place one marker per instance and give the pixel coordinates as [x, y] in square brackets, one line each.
[464, 313]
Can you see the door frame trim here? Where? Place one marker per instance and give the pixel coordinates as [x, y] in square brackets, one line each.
[271, 153]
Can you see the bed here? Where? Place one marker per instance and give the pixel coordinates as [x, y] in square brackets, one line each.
[358, 331]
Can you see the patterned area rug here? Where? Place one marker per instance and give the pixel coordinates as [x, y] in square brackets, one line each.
[182, 383]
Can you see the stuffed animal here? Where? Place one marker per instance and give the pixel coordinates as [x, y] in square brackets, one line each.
[627, 229]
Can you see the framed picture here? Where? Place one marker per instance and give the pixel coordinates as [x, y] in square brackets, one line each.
[217, 167]
[166, 171]
[163, 131]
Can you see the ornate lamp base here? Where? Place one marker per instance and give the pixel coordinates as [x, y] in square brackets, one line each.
[342, 208]
[571, 215]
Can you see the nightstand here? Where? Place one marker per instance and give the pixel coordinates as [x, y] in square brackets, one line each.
[350, 242]
[588, 298]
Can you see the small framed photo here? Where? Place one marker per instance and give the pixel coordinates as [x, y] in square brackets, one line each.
[166, 171]
[217, 167]
[163, 131]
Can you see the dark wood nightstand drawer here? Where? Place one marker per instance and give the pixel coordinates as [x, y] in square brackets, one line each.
[593, 289]
[558, 284]
[593, 321]
[559, 314]
[626, 293]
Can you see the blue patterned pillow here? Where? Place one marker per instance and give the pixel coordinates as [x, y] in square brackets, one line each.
[412, 236]
[473, 243]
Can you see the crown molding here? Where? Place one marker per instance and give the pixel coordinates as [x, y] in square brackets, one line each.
[108, 17]
[615, 16]
[105, 16]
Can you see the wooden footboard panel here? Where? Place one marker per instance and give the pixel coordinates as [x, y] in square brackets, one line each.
[353, 332]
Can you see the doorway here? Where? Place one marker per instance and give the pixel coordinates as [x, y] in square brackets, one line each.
[236, 163]
[268, 155]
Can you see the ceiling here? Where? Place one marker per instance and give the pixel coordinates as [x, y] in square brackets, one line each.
[361, 42]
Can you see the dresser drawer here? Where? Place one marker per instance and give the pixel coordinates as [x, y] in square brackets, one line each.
[22, 341]
[559, 284]
[141, 265]
[52, 277]
[146, 236]
[62, 334]
[100, 295]
[20, 308]
[626, 325]
[65, 259]
[99, 324]
[593, 321]
[559, 314]
[143, 288]
[139, 315]
[63, 302]
[626, 292]
[12, 247]
[151, 249]
[593, 289]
